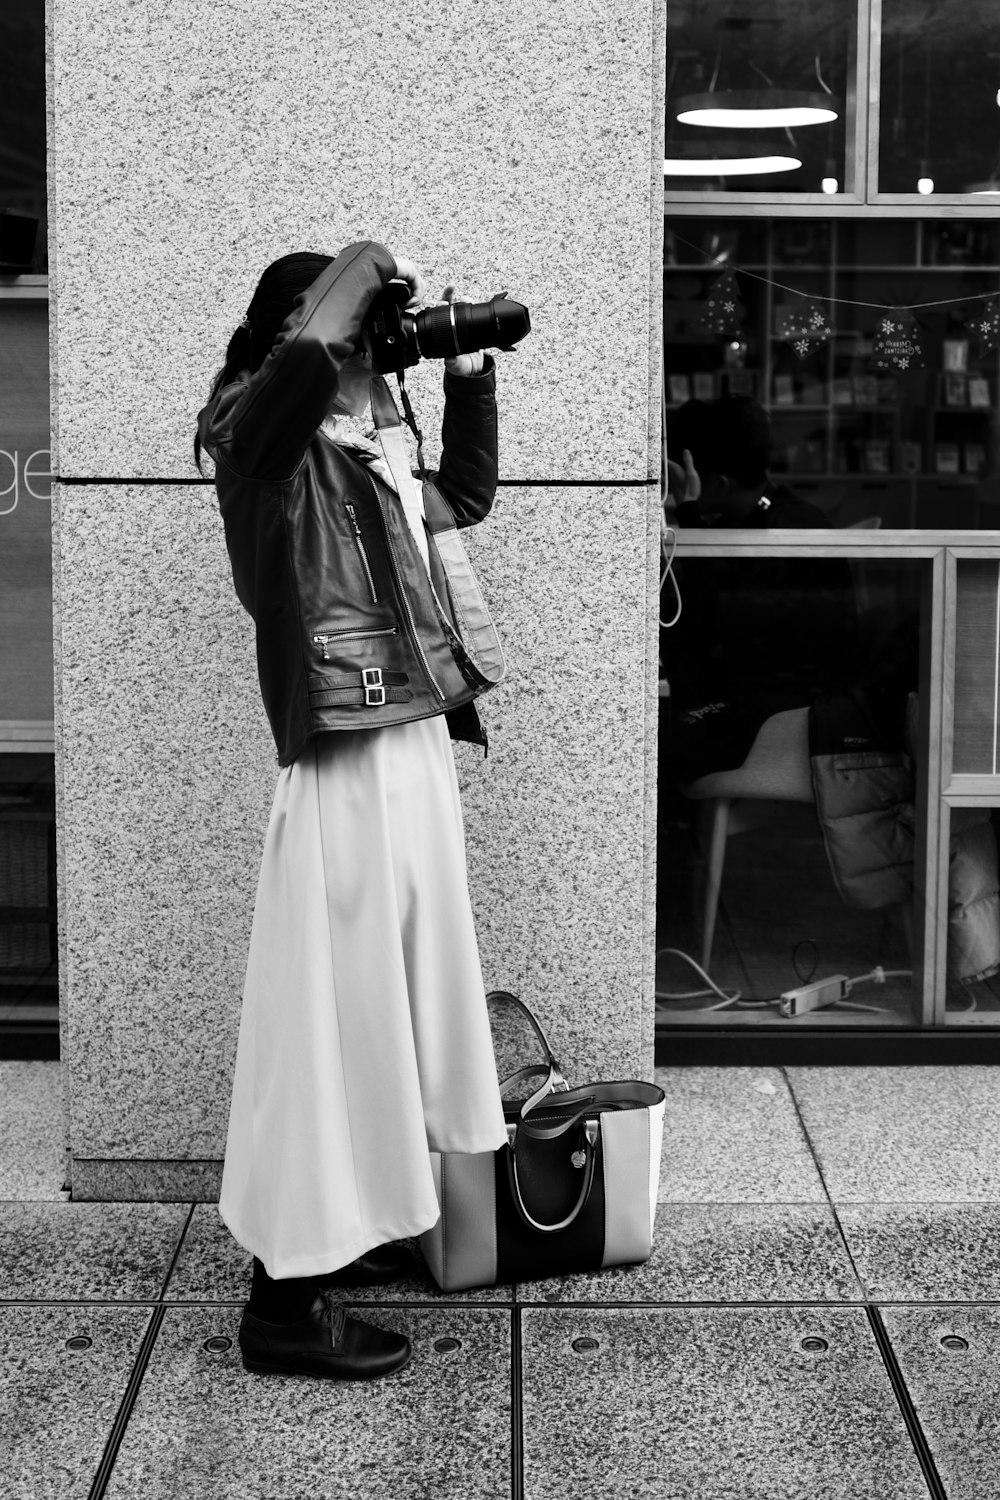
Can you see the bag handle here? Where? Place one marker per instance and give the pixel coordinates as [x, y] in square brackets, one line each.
[590, 1131]
[556, 1080]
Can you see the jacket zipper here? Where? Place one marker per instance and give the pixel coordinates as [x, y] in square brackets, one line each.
[406, 605]
[324, 638]
[362, 550]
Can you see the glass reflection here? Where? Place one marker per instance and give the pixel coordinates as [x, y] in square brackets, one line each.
[905, 442]
[758, 97]
[787, 774]
[939, 121]
[23, 239]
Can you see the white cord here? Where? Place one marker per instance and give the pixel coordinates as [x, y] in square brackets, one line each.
[668, 546]
[878, 975]
[729, 997]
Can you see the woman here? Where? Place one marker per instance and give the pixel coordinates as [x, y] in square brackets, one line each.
[364, 1040]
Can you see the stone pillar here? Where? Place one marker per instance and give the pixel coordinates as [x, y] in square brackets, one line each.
[510, 146]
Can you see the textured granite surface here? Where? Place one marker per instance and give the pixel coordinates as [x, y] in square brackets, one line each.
[723, 1252]
[59, 1404]
[32, 1138]
[212, 1267]
[727, 1403]
[554, 816]
[168, 772]
[502, 147]
[903, 1135]
[146, 1181]
[731, 1135]
[954, 1390]
[201, 1426]
[925, 1252]
[66, 1252]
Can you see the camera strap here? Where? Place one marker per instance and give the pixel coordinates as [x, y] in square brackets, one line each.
[467, 623]
[390, 436]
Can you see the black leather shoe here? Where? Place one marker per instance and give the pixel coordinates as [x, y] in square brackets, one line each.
[374, 1268]
[326, 1343]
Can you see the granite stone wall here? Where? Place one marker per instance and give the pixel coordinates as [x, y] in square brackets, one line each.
[510, 145]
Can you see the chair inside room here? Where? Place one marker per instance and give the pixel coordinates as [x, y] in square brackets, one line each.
[776, 769]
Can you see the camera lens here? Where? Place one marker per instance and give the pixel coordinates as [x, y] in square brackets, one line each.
[461, 327]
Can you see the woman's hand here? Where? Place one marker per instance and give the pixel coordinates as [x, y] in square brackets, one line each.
[683, 480]
[406, 270]
[462, 364]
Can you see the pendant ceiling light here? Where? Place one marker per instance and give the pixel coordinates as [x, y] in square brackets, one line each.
[726, 158]
[756, 109]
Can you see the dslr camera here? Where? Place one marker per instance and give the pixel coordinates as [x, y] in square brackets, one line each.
[396, 338]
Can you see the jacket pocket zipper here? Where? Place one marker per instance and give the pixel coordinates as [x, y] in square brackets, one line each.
[324, 638]
[359, 542]
[404, 601]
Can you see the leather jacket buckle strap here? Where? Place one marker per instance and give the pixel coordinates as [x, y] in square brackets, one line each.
[371, 681]
[369, 687]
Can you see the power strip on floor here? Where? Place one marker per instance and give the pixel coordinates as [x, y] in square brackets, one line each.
[814, 996]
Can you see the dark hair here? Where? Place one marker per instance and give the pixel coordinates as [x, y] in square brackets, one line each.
[282, 282]
[731, 437]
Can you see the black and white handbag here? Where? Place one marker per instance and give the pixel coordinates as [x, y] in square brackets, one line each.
[574, 1188]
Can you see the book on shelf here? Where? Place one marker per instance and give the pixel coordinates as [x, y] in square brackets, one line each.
[979, 391]
[954, 389]
[703, 386]
[910, 457]
[784, 390]
[679, 388]
[955, 355]
[974, 458]
[877, 456]
[946, 458]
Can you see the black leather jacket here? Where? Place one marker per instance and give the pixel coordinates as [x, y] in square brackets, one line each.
[348, 630]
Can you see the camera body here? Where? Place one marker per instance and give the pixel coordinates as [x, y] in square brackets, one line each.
[397, 338]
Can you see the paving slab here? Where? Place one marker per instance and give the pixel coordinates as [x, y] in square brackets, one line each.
[713, 1403]
[732, 1135]
[32, 1135]
[440, 1427]
[57, 1405]
[212, 1267]
[72, 1252]
[723, 1252]
[924, 1134]
[925, 1252]
[954, 1390]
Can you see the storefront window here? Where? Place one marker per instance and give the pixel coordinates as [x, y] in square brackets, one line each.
[939, 121]
[760, 98]
[891, 426]
[23, 240]
[28, 947]
[790, 758]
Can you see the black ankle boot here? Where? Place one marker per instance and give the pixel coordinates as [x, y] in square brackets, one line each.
[326, 1343]
[374, 1268]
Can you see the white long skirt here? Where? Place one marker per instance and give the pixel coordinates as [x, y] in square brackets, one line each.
[364, 1039]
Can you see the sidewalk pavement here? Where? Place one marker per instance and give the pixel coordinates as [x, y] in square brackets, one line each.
[820, 1318]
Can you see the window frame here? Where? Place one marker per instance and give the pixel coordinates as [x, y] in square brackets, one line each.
[862, 158]
[26, 736]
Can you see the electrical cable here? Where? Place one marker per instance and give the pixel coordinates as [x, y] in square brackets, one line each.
[667, 550]
[730, 997]
[878, 975]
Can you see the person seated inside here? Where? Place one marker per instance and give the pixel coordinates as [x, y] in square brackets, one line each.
[755, 635]
[722, 478]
